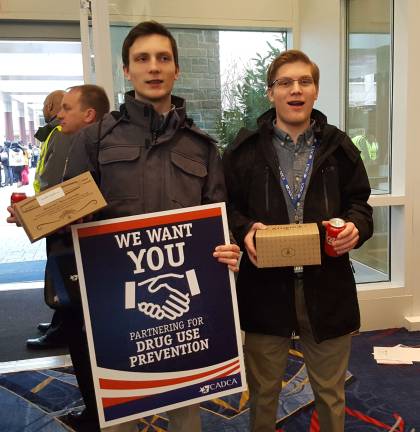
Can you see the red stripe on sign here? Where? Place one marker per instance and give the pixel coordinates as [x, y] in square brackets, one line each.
[109, 402]
[228, 372]
[110, 384]
[144, 223]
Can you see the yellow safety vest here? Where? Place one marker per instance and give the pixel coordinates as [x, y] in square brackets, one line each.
[40, 166]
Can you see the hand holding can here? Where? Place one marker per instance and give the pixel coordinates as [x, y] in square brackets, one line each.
[334, 227]
[16, 197]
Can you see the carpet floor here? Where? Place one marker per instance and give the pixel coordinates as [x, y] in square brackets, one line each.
[376, 396]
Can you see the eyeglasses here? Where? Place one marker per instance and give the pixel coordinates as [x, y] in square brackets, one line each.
[286, 83]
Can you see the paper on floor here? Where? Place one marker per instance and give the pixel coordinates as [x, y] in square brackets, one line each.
[398, 354]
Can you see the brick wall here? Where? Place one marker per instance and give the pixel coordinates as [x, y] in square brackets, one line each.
[199, 81]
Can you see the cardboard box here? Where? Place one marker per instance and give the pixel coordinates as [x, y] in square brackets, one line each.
[288, 245]
[59, 206]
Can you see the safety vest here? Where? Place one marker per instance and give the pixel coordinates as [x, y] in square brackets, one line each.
[40, 166]
[368, 149]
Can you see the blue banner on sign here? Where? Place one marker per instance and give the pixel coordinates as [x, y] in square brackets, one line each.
[160, 311]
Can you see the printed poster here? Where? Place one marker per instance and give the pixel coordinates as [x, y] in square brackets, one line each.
[160, 311]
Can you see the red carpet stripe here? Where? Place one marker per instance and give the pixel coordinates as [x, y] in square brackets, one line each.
[370, 420]
[314, 425]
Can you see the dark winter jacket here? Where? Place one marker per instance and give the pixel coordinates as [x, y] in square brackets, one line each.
[338, 187]
[54, 156]
[143, 164]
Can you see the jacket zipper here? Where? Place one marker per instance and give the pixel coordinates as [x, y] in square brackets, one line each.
[324, 181]
[267, 207]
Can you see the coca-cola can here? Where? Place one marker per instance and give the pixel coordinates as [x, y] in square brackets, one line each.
[17, 196]
[335, 226]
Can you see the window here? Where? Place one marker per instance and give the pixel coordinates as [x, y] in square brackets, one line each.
[368, 120]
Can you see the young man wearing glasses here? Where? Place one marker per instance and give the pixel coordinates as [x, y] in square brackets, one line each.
[296, 168]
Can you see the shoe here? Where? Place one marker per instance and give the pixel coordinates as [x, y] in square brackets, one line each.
[43, 327]
[45, 342]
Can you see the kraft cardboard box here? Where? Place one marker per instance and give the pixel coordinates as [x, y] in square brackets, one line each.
[59, 206]
[288, 245]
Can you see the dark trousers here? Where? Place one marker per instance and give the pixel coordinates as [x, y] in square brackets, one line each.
[79, 353]
[8, 175]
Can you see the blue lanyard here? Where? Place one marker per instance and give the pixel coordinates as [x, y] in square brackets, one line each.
[296, 199]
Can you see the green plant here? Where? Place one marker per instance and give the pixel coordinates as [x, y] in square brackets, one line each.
[247, 98]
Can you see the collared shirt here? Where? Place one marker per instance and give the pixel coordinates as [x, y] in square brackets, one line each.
[293, 159]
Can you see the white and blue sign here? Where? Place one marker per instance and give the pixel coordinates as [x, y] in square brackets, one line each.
[160, 311]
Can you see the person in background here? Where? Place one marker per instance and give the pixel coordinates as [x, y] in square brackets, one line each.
[80, 106]
[296, 168]
[1, 165]
[368, 147]
[35, 155]
[24, 175]
[16, 162]
[8, 170]
[76, 108]
[50, 137]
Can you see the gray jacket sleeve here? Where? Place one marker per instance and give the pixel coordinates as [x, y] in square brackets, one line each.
[82, 156]
[55, 160]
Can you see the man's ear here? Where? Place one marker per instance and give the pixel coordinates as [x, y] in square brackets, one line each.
[270, 95]
[176, 73]
[90, 115]
[126, 72]
[49, 109]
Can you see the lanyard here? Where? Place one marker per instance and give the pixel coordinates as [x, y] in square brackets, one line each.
[296, 199]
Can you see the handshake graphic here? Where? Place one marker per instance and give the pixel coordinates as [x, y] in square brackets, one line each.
[161, 299]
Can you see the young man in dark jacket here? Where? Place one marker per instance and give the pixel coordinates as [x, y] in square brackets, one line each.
[150, 157]
[296, 168]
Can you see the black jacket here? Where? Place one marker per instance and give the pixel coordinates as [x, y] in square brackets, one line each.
[338, 187]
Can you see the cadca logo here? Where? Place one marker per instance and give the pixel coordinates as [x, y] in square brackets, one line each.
[218, 386]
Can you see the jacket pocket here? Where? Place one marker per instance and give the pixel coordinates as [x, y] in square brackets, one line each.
[119, 171]
[186, 180]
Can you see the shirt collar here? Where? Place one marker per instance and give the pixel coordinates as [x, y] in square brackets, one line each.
[306, 138]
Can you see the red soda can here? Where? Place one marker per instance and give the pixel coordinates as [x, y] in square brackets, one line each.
[17, 196]
[335, 226]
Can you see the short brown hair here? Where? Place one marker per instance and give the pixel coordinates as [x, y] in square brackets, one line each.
[291, 56]
[147, 28]
[93, 96]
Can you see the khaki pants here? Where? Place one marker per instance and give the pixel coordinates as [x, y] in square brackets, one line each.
[326, 363]
[186, 419]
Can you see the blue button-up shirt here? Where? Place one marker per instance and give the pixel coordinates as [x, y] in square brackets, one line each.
[293, 159]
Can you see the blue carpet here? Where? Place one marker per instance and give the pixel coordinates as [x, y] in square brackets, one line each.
[28, 271]
[37, 400]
